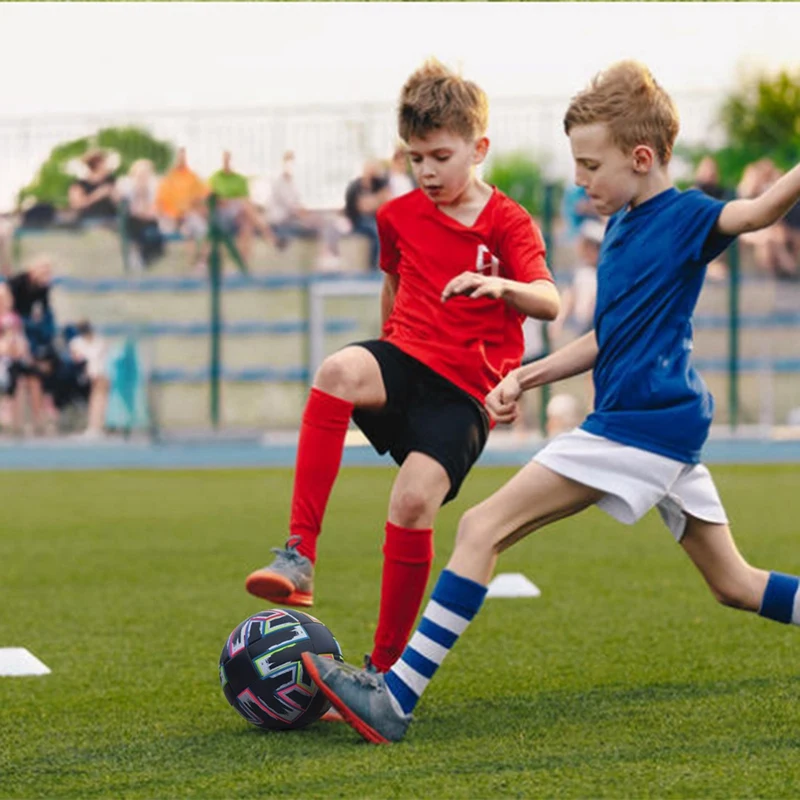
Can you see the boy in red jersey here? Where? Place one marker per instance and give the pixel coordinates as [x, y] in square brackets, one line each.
[464, 265]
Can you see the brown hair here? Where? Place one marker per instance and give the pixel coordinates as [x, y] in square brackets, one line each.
[435, 97]
[632, 104]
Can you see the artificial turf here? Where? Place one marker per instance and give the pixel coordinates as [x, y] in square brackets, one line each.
[624, 679]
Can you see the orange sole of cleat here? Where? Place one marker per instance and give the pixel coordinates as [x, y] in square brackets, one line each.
[268, 585]
[370, 734]
[304, 599]
[276, 589]
[331, 715]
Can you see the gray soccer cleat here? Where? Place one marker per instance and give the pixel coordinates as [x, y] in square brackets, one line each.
[332, 714]
[360, 696]
[288, 580]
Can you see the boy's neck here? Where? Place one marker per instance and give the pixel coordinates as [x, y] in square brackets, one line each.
[656, 182]
[467, 207]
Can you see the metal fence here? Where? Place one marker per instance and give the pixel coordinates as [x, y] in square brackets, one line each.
[330, 141]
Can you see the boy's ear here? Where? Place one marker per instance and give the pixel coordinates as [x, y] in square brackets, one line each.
[644, 158]
[481, 150]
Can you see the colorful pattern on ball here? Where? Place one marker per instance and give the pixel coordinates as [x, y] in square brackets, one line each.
[261, 672]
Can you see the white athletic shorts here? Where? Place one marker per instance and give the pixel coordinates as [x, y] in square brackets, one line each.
[635, 480]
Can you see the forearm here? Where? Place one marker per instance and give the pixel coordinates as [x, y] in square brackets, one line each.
[538, 299]
[572, 359]
[741, 216]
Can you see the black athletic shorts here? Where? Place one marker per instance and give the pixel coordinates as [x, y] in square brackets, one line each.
[424, 413]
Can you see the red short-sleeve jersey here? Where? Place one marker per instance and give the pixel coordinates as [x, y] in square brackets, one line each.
[472, 343]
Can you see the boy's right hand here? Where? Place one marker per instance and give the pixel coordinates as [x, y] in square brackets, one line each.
[501, 402]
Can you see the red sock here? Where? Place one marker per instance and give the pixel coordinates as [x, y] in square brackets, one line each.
[407, 559]
[319, 455]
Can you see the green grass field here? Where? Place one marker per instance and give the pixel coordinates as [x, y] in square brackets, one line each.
[624, 679]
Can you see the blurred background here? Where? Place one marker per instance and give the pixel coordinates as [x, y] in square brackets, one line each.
[180, 243]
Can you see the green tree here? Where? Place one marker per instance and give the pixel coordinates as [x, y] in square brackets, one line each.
[53, 180]
[520, 177]
[761, 118]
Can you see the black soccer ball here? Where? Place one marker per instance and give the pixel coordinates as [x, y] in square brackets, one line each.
[262, 673]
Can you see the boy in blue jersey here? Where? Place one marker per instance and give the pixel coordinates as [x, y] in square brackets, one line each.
[640, 447]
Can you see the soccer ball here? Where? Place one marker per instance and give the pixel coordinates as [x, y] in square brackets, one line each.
[262, 673]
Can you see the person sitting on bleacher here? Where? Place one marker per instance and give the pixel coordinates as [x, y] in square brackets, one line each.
[27, 294]
[236, 214]
[290, 219]
[138, 191]
[181, 207]
[15, 369]
[89, 349]
[94, 196]
[6, 237]
[772, 249]
[363, 197]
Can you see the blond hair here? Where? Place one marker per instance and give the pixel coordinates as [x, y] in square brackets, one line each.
[636, 109]
[434, 97]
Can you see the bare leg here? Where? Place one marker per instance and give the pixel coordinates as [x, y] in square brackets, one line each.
[98, 399]
[534, 497]
[36, 397]
[732, 581]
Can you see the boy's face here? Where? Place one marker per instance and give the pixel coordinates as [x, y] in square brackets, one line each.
[443, 163]
[610, 176]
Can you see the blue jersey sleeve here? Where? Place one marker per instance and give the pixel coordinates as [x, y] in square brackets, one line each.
[698, 234]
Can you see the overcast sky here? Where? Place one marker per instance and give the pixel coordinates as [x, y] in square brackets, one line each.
[88, 57]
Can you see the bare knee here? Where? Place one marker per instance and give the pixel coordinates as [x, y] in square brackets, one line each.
[472, 535]
[336, 377]
[412, 507]
[742, 591]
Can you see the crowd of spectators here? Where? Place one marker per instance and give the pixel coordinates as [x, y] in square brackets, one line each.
[775, 250]
[44, 370]
[154, 210]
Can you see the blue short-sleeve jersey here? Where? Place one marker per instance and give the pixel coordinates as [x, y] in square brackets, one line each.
[649, 275]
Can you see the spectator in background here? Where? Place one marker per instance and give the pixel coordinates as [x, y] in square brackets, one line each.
[578, 299]
[287, 215]
[364, 196]
[400, 180]
[181, 207]
[706, 179]
[236, 214]
[772, 246]
[138, 191]
[576, 208]
[94, 196]
[6, 237]
[27, 294]
[792, 221]
[289, 218]
[534, 348]
[86, 347]
[563, 413]
[16, 369]
[577, 312]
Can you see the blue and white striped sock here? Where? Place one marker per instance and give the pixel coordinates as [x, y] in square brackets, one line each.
[781, 600]
[453, 604]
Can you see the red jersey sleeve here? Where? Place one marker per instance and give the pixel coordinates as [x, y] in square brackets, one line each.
[390, 253]
[523, 251]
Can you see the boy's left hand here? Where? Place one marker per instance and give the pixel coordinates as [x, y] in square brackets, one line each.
[475, 285]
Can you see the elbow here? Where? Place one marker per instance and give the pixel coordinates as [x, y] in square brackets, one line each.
[553, 310]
